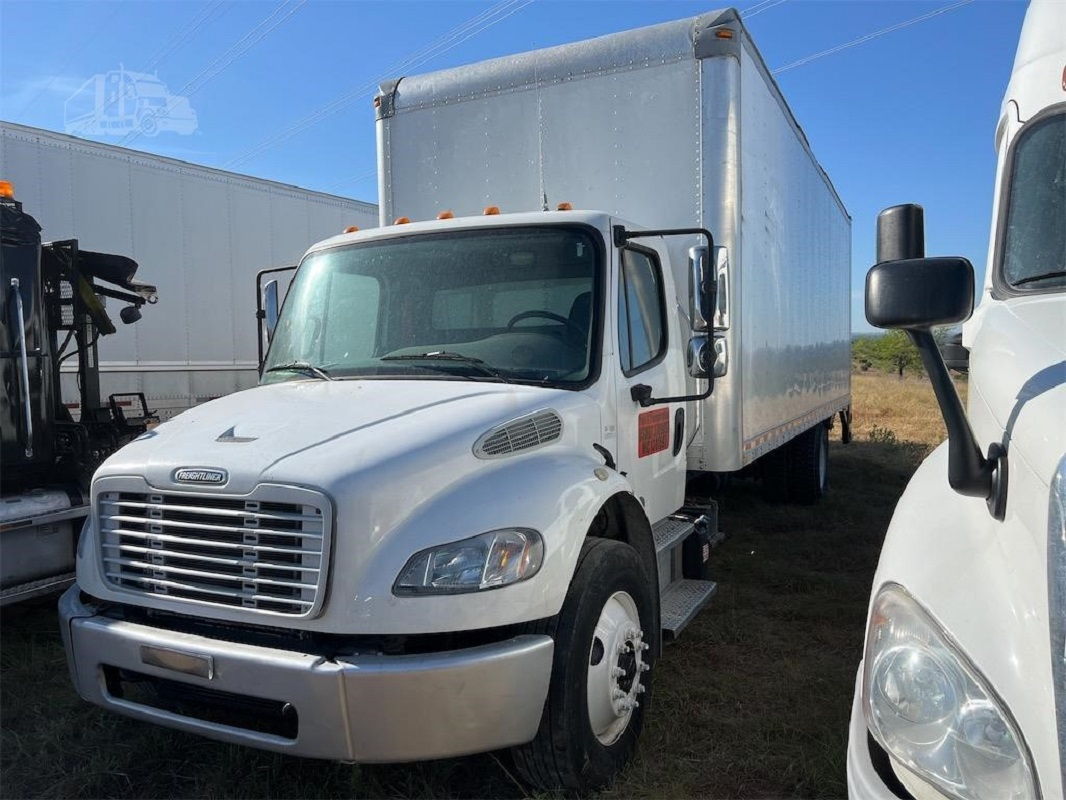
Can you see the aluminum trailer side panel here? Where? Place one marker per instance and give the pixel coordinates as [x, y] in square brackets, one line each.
[666, 126]
[199, 234]
[795, 319]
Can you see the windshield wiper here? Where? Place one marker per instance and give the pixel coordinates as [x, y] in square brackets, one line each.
[446, 355]
[1058, 273]
[302, 366]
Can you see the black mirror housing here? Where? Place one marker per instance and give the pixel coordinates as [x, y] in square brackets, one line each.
[918, 293]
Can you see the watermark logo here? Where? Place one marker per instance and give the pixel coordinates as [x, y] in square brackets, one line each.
[120, 103]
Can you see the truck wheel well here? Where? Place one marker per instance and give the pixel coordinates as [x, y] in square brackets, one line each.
[622, 518]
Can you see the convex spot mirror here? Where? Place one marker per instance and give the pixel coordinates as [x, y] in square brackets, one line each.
[918, 293]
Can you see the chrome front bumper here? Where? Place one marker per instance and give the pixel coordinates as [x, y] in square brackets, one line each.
[366, 708]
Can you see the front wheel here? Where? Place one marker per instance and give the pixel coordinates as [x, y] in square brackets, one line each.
[601, 674]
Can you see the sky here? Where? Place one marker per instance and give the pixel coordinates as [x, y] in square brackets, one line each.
[282, 89]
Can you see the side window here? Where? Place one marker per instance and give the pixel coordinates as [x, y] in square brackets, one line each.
[641, 312]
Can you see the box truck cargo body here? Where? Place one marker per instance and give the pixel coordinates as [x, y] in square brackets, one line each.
[669, 126]
[203, 233]
[457, 499]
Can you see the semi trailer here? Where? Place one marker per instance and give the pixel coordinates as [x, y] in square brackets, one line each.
[452, 517]
[198, 227]
[961, 691]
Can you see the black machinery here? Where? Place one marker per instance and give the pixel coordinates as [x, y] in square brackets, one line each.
[54, 312]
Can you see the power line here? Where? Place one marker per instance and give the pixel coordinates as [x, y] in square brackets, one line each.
[275, 18]
[205, 16]
[448, 39]
[758, 8]
[453, 38]
[863, 39]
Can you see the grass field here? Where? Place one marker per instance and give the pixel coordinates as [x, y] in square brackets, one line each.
[753, 701]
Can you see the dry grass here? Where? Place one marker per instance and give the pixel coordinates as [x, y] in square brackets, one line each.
[904, 406]
[752, 702]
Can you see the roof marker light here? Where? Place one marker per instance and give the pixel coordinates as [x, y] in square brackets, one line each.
[352, 229]
[564, 207]
[491, 211]
[724, 33]
[401, 220]
[7, 189]
[446, 214]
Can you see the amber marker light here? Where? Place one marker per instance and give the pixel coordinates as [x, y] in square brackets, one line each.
[491, 211]
[446, 214]
[401, 220]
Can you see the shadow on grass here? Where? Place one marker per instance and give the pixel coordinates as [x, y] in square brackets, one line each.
[753, 701]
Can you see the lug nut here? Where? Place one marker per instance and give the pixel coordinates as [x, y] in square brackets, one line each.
[645, 667]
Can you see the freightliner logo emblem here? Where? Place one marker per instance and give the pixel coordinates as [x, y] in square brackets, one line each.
[200, 475]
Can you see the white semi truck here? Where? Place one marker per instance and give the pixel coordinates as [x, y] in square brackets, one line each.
[962, 689]
[197, 227]
[452, 518]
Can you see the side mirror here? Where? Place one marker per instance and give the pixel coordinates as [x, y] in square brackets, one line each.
[918, 293]
[702, 288]
[905, 290]
[129, 314]
[707, 357]
[270, 307]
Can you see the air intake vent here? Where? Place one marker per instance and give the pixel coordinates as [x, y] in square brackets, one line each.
[525, 433]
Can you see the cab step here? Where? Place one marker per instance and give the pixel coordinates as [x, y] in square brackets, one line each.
[671, 531]
[681, 602]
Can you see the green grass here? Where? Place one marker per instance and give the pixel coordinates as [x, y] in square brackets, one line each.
[753, 701]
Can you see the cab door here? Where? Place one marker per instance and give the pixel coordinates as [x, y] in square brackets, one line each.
[651, 440]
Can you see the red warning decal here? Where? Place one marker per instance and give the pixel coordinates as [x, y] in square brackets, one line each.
[653, 432]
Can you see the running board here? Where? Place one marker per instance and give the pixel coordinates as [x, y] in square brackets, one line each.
[681, 602]
[671, 531]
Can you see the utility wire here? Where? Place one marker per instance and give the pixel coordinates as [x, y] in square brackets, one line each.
[447, 41]
[453, 38]
[863, 39]
[758, 8]
[207, 14]
[275, 18]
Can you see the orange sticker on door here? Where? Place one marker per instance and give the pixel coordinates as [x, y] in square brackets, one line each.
[653, 432]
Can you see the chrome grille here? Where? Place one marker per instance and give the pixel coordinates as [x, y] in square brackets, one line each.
[523, 433]
[256, 554]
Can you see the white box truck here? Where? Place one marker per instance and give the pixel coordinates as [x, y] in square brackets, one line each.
[452, 517]
[203, 233]
[961, 692]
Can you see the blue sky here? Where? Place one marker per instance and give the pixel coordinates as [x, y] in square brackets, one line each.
[906, 116]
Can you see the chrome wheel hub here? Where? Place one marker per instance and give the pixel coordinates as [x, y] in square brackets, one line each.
[616, 668]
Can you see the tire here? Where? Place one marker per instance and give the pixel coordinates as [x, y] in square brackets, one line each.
[571, 753]
[775, 473]
[809, 466]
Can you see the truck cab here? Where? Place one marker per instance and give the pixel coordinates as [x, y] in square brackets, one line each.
[454, 401]
[962, 688]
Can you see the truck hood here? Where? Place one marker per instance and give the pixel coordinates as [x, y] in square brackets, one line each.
[1018, 378]
[313, 432]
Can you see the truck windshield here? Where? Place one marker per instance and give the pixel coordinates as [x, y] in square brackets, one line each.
[501, 304]
[1034, 238]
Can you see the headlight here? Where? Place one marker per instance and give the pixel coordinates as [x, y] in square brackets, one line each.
[928, 706]
[488, 561]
